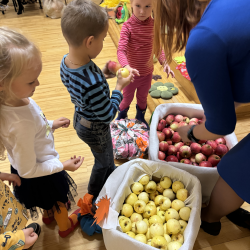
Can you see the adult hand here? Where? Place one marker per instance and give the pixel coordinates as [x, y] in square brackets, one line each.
[167, 69]
[183, 133]
[73, 164]
[134, 72]
[106, 71]
[12, 178]
[30, 237]
[61, 122]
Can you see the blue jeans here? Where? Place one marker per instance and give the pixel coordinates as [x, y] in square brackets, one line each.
[98, 137]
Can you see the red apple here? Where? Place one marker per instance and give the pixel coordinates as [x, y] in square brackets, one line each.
[181, 124]
[161, 125]
[172, 150]
[169, 142]
[185, 152]
[195, 148]
[200, 121]
[113, 67]
[202, 142]
[221, 150]
[212, 143]
[200, 157]
[163, 146]
[186, 119]
[174, 125]
[169, 119]
[188, 143]
[195, 164]
[178, 156]
[192, 158]
[179, 145]
[186, 161]
[191, 123]
[205, 164]
[178, 118]
[220, 141]
[206, 150]
[176, 137]
[161, 155]
[168, 133]
[214, 159]
[194, 120]
[172, 158]
[161, 136]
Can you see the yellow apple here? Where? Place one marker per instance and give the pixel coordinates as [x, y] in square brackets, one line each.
[131, 199]
[155, 219]
[177, 185]
[150, 187]
[166, 182]
[171, 214]
[141, 237]
[143, 196]
[127, 210]
[156, 229]
[174, 245]
[167, 238]
[149, 211]
[169, 194]
[178, 237]
[131, 234]
[161, 214]
[137, 187]
[141, 227]
[153, 195]
[148, 234]
[135, 217]
[144, 180]
[125, 225]
[173, 226]
[159, 188]
[139, 206]
[159, 242]
[158, 200]
[177, 204]
[183, 226]
[185, 213]
[146, 220]
[182, 194]
[124, 72]
[166, 204]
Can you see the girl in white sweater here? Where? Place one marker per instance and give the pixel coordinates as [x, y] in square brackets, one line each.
[28, 136]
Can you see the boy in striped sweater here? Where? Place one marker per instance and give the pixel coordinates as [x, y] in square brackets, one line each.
[84, 26]
[135, 53]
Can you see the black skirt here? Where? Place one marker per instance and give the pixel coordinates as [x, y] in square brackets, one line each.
[44, 192]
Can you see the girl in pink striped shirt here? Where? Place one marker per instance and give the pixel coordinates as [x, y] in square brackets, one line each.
[135, 53]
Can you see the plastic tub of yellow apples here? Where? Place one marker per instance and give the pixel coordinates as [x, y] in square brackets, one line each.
[152, 205]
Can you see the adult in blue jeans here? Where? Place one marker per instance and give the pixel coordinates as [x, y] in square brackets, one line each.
[217, 40]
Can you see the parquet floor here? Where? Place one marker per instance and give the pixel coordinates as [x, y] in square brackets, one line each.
[54, 100]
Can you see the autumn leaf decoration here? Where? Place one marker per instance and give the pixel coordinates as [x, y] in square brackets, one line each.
[102, 210]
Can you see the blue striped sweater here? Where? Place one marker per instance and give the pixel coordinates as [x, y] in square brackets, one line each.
[89, 92]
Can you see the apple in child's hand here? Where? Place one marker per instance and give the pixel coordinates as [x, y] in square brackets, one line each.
[124, 72]
[205, 164]
[113, 67]
[214, 159]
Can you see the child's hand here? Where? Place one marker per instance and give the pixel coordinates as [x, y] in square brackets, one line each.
[12, 178]
[123, 82]
[61, 122]
[30, 237]
[106, 71]
[168, 70]
[73, 164]
[133, 71]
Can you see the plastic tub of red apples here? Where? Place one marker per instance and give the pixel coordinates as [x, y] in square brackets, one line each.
[118, 187]
[199, 159]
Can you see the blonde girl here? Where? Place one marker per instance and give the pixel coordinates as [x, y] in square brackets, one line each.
[27, 135]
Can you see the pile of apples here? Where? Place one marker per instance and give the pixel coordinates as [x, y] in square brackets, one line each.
[155, 213]
[171, 148]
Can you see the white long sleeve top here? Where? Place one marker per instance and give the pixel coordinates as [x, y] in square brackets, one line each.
[28, 138]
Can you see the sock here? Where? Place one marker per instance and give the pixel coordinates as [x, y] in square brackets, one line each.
[73, 217]
[62, 219]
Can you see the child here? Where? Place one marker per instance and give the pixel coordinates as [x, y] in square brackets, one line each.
[13, 233]
[84, 26]
[135, 53]
[27, 135]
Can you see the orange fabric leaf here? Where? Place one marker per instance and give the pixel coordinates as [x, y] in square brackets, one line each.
[85, 204]
[102, 210]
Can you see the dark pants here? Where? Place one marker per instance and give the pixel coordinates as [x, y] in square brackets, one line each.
[98, 138]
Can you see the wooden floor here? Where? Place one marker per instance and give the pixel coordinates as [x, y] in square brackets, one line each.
[54, 100]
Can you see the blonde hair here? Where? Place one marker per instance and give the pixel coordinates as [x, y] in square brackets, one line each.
[81, 19]
[174, 20]
[16, 53]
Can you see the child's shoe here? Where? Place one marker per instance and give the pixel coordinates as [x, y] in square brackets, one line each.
[122, 114]
[140, 115]
[63, 234]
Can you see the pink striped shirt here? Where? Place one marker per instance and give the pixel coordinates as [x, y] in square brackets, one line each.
[136, 45]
